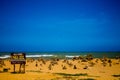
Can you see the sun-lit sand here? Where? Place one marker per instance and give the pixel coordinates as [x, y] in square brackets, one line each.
[63, 69]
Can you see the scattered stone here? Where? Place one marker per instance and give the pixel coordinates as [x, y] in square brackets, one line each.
[74, 67]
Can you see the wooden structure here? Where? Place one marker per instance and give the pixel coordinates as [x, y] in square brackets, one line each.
[0, 62]
[18, 58]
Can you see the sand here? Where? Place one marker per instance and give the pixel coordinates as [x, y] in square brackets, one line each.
[48, 69]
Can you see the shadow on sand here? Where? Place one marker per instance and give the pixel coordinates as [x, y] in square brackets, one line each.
[17, 72]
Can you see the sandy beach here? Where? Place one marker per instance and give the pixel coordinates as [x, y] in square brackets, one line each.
[63, 69]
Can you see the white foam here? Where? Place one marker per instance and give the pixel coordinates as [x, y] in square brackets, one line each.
[70, 56]
[5, 56]
[45, 55]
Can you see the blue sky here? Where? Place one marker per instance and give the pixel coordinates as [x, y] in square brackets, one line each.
[59, 25]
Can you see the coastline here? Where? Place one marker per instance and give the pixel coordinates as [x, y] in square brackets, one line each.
[63, 54]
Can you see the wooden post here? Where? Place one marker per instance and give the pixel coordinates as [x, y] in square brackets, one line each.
[14, 67]
[20, 68]
[24, 67]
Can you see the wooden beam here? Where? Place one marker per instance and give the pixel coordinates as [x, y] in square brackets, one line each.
[20, 68]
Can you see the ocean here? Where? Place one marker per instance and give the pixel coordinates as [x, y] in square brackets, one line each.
[63, 54]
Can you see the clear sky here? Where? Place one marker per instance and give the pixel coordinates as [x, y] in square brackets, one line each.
[59, 25]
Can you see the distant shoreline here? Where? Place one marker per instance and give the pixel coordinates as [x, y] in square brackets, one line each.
[64, 54]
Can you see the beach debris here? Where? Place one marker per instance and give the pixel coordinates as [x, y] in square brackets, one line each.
[36, 64]
[64, 67]
[80, 57]
[1, 66]
[84, 60]
[96, 60]
[2, 63]
[66, 74]
[75, 58]
[110, 62]
[91, 64]
[117, 57]
[50, 67]
[87, 79]
[116, 75]
[40, 69]
[89, 57]
[75, 67]
[70, 64]
[53, 63]
[65, 60]
[79, 61]
[39, 59]
[104, 63]
[30, 60]
[55, 59]
[40, 64]
[5, 69]
[86, 67]
[105, 58]
[43, 61]
[119, 60]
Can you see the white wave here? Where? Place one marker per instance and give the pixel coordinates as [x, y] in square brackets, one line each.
[39, 55]
[5, 56]
[70, 56]
[43, 55]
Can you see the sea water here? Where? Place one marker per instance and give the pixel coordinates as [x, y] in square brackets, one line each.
[63, 54]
